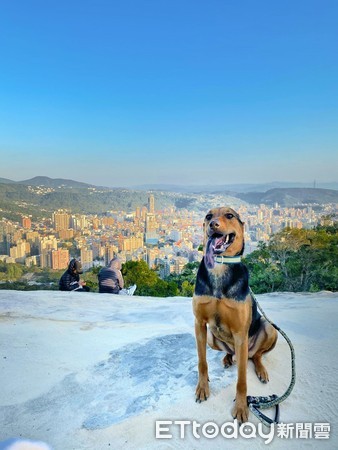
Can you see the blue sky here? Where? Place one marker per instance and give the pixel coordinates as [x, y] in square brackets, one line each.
[157, 91]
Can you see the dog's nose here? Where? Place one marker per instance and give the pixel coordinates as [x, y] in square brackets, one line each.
[214, 224]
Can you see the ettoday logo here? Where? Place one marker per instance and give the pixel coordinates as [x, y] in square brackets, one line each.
[211, 430]
[234, 430]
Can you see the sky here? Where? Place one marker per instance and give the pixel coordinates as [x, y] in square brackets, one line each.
[121, 93]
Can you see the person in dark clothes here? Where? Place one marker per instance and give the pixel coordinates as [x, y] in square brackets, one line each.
[111, 279]
[70, 280]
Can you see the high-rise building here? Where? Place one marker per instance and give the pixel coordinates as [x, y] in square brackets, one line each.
[151, 236]
[20, 250]
[151, 256]
[46, 258]
[97, 250]
[86, 258]
[60, 259]
[164, 266]
[96, 223]
[144, 212]
[66, 234]
[132, 243]
[78, 222]
[110, 252]
[61, 220]
[48, 243]
[26, 222]
[151, 204]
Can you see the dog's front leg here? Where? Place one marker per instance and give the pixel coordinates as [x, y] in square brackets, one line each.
[202, 389]
[241, 410]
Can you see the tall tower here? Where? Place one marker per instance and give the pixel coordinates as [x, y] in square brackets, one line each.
[151, 204]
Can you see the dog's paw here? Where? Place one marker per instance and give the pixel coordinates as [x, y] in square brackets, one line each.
[240, 411]
[202, 391]
[227, 361]
[262, 374]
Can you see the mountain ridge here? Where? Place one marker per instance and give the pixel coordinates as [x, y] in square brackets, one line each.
[238, 188]
[42, 180]
[30, 197]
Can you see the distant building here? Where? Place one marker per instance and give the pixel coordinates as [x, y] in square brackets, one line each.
[60, 259]
[46, 246]
[32, 261]
[66, 234]
[179, 264]
[151, 236]
[26, 222]
[110, 252]
[46, 258]
[48, 243]
[132, 243]
[61, 220]
[164, 266]
[151, 204]
[86, 258]
[78, 222]
[20, 251]
[98, 251]
[144, 212]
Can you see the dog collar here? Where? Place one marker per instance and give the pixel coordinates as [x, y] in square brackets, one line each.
[227, 259]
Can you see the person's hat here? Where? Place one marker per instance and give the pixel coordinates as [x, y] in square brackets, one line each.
[78, 267]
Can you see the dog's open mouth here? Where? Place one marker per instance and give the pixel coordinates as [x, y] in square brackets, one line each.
[216, 245]
[220, 242]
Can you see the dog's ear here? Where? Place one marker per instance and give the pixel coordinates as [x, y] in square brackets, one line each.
[238, 218]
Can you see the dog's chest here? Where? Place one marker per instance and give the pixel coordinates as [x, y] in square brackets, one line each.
[219, 328]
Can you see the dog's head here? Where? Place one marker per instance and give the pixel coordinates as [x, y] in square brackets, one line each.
[223, 234]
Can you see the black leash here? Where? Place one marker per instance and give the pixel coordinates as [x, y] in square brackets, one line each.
[257, 403]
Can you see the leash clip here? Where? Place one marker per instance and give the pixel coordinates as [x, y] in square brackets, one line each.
[255, 403]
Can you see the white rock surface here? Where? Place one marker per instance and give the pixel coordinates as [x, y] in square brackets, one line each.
[95, 371]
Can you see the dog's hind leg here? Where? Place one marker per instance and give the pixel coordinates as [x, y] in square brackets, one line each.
[265, 342]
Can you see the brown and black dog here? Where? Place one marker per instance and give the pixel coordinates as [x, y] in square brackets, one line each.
[226, 315]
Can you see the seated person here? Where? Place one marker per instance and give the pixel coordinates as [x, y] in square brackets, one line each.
[70, 280]
[111, 279]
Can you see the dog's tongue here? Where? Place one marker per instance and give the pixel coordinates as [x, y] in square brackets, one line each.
[209, 254]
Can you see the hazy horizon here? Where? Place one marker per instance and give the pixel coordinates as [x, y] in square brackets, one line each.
[313, 183]
[131, 93]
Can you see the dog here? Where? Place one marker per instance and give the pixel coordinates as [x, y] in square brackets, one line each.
[226, 315]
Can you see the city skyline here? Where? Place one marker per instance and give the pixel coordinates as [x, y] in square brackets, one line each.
[122, 94]
[168, 239]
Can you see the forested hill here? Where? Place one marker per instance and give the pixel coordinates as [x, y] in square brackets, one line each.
[40, 200]
[18, 199]
[291, 196]
[40, 196]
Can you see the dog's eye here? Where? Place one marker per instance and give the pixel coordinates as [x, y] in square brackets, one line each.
[208, 216]
[229, 216]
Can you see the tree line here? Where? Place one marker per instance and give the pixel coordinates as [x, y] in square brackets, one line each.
[296, 260]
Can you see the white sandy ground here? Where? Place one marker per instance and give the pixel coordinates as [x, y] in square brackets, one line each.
[95, 371]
